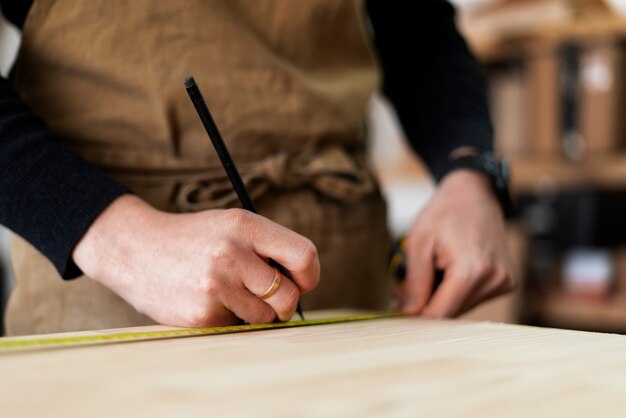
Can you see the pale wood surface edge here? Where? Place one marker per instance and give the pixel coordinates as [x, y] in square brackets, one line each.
[400, 367]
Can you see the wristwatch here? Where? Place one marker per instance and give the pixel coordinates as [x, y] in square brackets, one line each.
[493, 166]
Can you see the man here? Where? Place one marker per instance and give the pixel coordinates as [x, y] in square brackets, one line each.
[288, 83]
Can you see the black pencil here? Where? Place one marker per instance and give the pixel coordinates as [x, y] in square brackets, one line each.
[227, 161]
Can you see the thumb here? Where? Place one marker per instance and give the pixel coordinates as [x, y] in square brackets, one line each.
[419, 278]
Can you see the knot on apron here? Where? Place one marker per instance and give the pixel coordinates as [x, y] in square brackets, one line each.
[331, 171]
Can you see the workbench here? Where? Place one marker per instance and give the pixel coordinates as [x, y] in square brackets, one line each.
[394, 367]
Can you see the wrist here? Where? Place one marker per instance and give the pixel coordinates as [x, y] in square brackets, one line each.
[464, 180]
[488, 166]
[112, 236]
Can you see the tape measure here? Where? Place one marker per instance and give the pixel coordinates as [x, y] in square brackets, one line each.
[397, 263]
[26, 343]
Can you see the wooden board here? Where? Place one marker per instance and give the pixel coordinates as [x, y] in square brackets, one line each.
[400, 367]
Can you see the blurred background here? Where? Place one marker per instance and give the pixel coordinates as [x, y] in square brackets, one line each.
[556, 73]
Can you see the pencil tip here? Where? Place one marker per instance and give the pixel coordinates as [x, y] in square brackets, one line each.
[189, 82]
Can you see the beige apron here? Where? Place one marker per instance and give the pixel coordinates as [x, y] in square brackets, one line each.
[288, 83]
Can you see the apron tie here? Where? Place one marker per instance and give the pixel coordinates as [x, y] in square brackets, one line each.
[330, 171]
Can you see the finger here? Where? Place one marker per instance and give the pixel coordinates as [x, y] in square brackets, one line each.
[249, 307]
[293, 251]
[457, 286]
[240, 297]
[397, 294]
[496, 285]
[419, 278]
[283, 300]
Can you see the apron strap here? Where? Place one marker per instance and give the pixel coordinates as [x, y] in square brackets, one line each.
[331, 171]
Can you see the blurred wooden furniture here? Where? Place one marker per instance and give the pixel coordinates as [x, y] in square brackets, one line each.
[556, 69]
[400, 367]
[537, 173]
[558, 310]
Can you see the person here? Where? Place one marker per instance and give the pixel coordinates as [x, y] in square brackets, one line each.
[107, 172]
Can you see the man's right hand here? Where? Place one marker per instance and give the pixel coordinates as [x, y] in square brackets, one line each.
[200, 269]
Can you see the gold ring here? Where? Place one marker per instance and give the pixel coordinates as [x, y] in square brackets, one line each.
[272, 289]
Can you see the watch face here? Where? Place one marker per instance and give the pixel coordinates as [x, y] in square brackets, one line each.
[505, 169]
[496, 166]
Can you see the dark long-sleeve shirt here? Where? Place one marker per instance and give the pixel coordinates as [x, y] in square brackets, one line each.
[50, 196]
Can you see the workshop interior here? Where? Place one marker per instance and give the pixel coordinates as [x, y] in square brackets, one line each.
[555, 73]
[556, 76]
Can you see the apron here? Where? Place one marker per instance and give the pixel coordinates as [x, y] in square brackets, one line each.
[288, 83]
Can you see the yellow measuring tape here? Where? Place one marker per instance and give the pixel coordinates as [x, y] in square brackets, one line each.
[22, 343]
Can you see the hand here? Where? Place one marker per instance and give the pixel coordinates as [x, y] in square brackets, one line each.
[462, 232]
[201, 269]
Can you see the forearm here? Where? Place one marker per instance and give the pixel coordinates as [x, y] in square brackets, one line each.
[435, 83]
[48, 195]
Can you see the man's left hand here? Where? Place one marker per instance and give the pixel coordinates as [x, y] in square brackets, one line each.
[462, 232]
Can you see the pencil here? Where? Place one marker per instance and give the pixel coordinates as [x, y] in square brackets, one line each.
[228, 163]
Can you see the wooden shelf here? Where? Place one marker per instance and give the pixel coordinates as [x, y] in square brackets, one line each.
[562, 311]
[504, 46]
[532, 173]
[536, 173]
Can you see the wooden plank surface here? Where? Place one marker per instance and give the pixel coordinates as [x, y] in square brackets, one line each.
[399, 367]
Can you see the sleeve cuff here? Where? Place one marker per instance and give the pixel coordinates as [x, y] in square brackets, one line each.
[457, 134]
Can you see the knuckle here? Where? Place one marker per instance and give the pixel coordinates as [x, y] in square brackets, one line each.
[308, 252]
[223, 253]
[465, 277]
[509, 283]
[503, 281]
[209, 287]
[503, 276]
[239, 217]
[199, 316]
[223, 248]
[483, 267]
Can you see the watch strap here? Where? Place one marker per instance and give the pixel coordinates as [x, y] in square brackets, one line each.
[497, 169]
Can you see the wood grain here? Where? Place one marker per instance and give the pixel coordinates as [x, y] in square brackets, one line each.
[400, 367]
